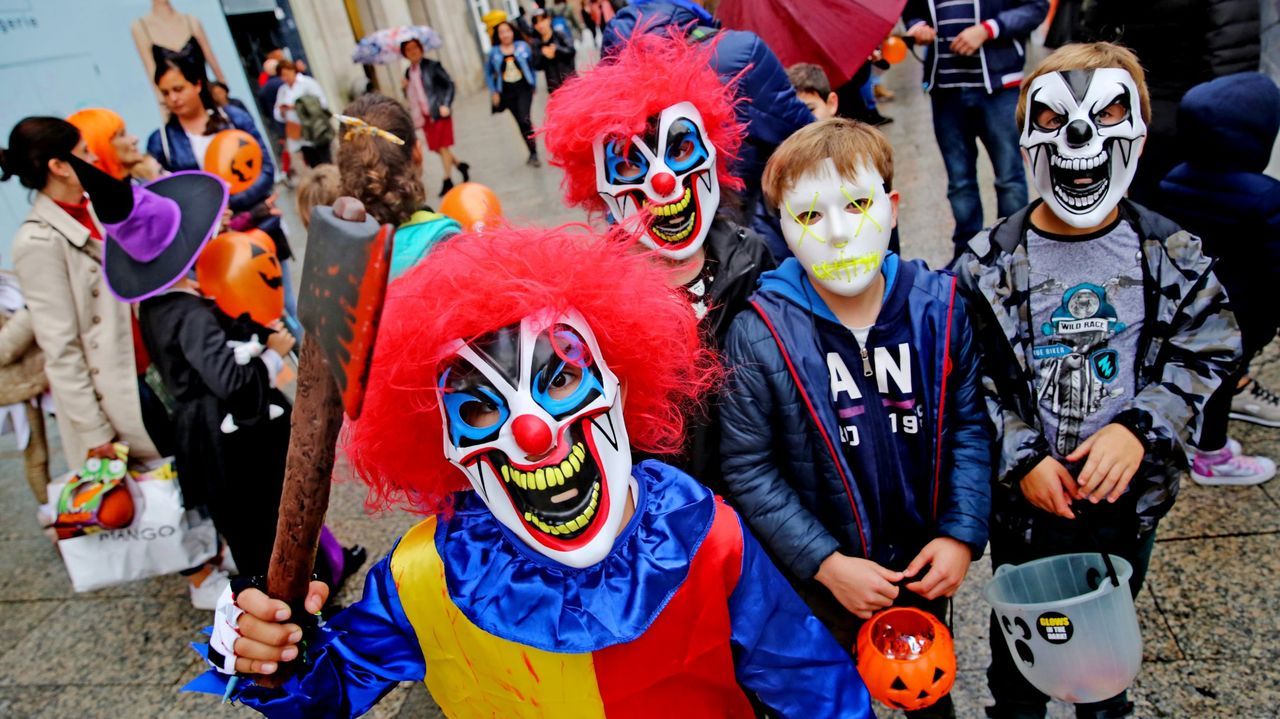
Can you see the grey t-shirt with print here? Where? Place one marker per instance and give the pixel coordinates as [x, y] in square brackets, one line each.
[1087, 310]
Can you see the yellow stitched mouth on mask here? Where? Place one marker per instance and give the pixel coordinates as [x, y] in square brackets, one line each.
[846, 268]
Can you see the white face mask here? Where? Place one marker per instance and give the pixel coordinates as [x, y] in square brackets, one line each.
[665, 180]
[533, 417]
[838, 227]
[1083, 134]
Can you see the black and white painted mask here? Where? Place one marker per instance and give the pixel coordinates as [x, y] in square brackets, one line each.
[1083, 133]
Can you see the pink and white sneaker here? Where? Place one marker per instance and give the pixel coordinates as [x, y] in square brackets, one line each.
[1228, 467]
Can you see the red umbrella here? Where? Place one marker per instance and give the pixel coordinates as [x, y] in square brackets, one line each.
[836, 34]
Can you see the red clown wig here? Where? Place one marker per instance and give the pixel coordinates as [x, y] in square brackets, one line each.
[476, 283]
[618, 98]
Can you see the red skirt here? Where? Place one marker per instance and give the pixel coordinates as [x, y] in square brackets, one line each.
[439, 133]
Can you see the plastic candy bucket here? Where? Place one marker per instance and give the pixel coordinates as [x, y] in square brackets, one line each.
[1071, 630]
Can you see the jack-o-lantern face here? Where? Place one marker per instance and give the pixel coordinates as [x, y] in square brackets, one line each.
[906, 658]
[236, 157]
[240, 272]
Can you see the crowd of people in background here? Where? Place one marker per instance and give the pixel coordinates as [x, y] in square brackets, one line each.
[779, 442]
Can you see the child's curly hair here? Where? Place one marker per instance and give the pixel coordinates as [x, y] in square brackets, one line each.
[378, 172]
[318, 188]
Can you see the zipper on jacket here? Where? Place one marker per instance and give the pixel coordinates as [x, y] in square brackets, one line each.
[837, 458]
[881, 440]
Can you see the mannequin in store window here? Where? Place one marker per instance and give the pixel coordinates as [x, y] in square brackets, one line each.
[165, 33]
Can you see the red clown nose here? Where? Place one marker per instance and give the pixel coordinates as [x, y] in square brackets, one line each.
[532, 434]
[664, 183]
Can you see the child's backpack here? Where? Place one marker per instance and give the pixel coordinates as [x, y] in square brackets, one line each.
[315, 120]
[415, 238]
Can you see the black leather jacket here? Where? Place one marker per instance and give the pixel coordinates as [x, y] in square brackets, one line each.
[437, 84]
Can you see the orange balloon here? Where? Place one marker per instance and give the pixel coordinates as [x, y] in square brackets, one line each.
[236, 157]
[239, 271]
[906, 658]
[893, 50]
[472, 205]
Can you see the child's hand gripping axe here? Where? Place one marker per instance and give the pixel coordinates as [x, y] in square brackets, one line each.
[343, 287]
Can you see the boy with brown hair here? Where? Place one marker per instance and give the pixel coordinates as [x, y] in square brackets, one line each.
[1104, 333]
[814, 89]
[854, 438]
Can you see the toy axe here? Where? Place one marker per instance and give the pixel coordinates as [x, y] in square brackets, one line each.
[340, 302]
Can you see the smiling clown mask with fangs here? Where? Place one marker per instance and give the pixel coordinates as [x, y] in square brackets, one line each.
[648, 138]
[665, 180]
[533, 417]
[1083, 133]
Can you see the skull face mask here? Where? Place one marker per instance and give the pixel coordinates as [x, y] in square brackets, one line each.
[1083, 133]
[666, 179]
[838, 227]
[533, 417]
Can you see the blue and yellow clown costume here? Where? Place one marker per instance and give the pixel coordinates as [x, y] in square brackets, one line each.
[565, 582]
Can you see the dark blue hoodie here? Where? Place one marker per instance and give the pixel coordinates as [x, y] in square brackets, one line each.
[1227, 128]
[782, 431]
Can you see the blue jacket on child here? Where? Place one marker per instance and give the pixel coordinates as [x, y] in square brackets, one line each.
[781, 444]
[1221, 195]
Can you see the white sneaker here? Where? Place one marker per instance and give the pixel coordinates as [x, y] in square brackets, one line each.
[1256, 404]
[206, 595]
[1228, 467]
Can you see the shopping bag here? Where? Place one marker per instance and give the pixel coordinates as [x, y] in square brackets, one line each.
[163, 537]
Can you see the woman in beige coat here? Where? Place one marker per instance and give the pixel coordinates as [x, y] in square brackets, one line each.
[87, 335]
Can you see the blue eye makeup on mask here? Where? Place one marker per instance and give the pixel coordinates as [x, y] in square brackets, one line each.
[685, 147]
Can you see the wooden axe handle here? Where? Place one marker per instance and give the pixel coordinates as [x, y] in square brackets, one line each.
[317, 419]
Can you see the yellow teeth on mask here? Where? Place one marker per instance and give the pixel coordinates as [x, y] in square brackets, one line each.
[673, 208]
[677, 237]
[572, 525]
[547, 477]
[846, 268]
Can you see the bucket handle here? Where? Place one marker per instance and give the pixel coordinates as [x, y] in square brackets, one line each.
[1083, 510]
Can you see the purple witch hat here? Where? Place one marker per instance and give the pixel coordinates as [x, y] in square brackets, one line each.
[154, 232]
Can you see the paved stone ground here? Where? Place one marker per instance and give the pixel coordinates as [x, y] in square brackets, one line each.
[1208, 611]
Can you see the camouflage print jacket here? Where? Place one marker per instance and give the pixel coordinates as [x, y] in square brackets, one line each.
[1189, 344]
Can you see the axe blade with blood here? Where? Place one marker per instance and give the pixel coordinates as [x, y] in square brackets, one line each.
[343, 287]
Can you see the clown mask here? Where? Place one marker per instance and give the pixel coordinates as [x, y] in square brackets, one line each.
[533, 417]
[1083, 133]
[838, 227]
[664, 184]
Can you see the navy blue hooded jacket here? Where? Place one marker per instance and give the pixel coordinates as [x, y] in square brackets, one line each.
[1004, 54]
[770, 109]
[1226, 128]
[780, 445]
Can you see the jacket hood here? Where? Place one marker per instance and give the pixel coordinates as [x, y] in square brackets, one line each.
[791, 283]
[1217, 133]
